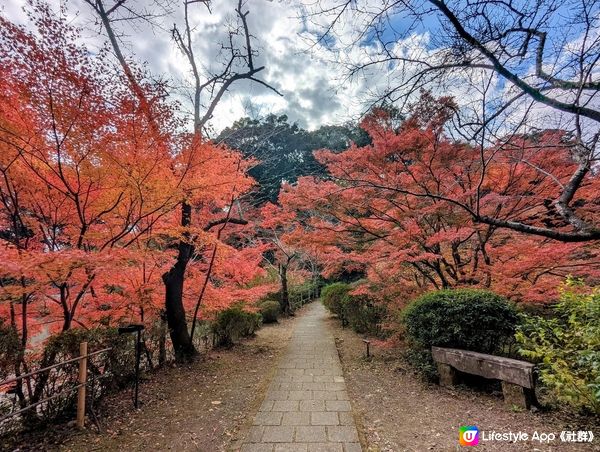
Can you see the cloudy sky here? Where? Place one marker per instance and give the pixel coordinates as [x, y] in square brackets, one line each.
[312, 77]
[310, 80]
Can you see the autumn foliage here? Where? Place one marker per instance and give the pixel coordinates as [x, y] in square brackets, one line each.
[400, 210]
[113, 212]
[92, 181]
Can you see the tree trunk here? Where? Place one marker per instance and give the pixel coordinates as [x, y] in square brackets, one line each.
[162, 340]
[173, 280]
[20, 356]
[285, 298]
[48, 359]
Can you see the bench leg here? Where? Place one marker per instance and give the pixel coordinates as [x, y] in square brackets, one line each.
[448, 376]
[515, 395]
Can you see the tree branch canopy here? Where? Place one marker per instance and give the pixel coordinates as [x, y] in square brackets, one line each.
[226, 220]
[525, 65]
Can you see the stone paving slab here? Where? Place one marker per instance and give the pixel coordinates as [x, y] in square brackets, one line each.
[306, 407]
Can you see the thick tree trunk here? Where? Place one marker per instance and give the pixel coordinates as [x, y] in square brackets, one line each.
[162, 340]
[285, 297]
[173, 280]
[176, 319]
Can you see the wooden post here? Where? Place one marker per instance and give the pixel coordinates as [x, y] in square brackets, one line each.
[82, 381]
[367, 343]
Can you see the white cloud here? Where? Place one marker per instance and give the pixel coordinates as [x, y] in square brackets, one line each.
[308, 79]
[312, 78]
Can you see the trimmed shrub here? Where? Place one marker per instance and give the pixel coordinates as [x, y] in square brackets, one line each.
[470, 319]
[234, 323]
[422, 361]
[360, 312]
[567, 348]
[363, 315]
[273, 296]
[335, 296]
[269, 310]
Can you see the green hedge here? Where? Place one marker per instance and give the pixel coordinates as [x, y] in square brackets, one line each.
[360, 312]
[335, 296]
[364, 316]
[470, 319]
[234, 323]
[269, 310]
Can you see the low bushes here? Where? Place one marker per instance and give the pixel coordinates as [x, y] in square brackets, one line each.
[470, 319]
[364, 316]
[234, 323]
[106, 372]
[269, 310]
[335, 296]
[567, 348]
[360, 312]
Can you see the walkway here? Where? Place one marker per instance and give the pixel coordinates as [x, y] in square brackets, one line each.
[306, 407]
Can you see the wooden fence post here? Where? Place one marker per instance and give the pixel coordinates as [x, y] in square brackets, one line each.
[82, 381]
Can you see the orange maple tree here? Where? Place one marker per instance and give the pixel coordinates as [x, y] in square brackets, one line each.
[398, 211]
[92, 184]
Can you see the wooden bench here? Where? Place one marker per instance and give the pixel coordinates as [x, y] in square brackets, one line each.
[516, 376]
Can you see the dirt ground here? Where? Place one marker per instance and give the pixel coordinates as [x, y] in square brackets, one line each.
[208, 406]
[396, 411]
[205, 406]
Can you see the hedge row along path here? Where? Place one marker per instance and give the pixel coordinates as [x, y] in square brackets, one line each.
[306, 407]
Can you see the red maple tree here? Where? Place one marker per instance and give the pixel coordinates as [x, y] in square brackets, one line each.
[400, 209]
[92, 184]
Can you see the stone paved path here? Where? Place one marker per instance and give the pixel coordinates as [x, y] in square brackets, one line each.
[306, 407]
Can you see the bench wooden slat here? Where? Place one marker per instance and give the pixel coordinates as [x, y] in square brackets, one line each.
[487, 366]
